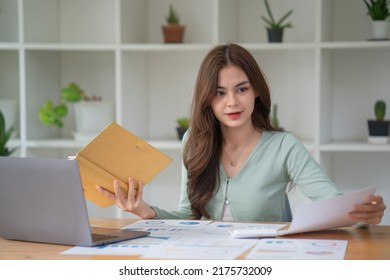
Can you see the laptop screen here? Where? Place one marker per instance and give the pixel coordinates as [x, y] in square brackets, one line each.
[42, 200]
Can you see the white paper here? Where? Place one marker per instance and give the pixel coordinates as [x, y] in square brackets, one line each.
[257, 230]
[225, 228]
[298, 249]
[138, 246]
[168, 227]
[189, 239]
[327, 214]
[200, 248]
[194, 239]
[176, 239]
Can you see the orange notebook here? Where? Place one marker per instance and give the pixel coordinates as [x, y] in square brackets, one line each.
[116, 153]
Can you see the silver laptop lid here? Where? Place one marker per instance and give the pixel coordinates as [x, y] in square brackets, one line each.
[41, 200]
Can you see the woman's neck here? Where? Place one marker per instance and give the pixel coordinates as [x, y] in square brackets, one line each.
[236, 147]
[239, 137]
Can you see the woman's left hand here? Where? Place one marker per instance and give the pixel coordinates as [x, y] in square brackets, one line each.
[370, 212]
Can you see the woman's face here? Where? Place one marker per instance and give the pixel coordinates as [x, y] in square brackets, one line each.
[234, 100]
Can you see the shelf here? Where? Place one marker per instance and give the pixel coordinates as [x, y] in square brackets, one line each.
[70, 143]
[55, 143]
[13, 143]
[9, 46]
[355, 45]
[166, 144]
[116, 50]
[185, 47]
[354, 147]
[358, 146]
[279, 46]
[69, 47]
[324, 76]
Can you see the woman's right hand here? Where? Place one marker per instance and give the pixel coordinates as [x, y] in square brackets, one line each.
[132, 201]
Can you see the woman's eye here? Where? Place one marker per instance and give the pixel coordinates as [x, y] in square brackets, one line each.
[220, 93]
[242, 89]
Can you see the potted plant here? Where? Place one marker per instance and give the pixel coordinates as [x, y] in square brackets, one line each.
[182, 126]
[51, 114]
[379, 129]
[173, 31]
[379, 11]
[275, 118]
[91, 113]
[5, 135]
[9, 107]
[275, 28]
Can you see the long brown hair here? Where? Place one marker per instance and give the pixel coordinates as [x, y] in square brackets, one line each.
[204, 143]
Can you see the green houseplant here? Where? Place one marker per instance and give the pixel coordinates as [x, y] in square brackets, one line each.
[173, 17]
[91, 113]
[379, 11]
[5, 135]
[52, 114]
[182, 126]
[379, 128]
[275, 117]
[275, 27]
[173, 31]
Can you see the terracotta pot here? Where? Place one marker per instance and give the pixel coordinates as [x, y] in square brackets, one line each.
[173, 33]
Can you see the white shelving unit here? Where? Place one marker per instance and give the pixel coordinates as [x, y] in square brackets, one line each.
[325, 76]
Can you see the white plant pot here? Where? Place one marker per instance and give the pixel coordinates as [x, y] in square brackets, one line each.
[9, 107]
[381, 29]
[91, 118]
[378, 139]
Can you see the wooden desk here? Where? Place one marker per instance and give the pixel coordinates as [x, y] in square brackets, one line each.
[364, 244]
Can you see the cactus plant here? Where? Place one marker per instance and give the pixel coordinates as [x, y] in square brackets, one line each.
[173, 16]
[379, 129]
[173, 30]
[380, 110]
[275, 119]
[5, 134]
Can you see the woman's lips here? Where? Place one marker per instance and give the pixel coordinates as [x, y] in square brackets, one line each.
[234, 116]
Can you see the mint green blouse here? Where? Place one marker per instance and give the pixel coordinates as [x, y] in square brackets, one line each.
[257, 192]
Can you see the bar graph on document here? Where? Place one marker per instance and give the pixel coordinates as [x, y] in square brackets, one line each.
[191, 247]
[138, 246]
[168, 227]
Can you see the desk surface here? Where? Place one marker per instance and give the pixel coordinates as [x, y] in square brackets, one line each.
[366, 244]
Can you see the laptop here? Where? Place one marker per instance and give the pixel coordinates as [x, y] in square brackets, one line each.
[42, 200]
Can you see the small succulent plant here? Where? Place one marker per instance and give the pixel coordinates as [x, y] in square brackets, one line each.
[380, 110]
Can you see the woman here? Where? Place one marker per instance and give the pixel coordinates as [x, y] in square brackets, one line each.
[237, 166]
